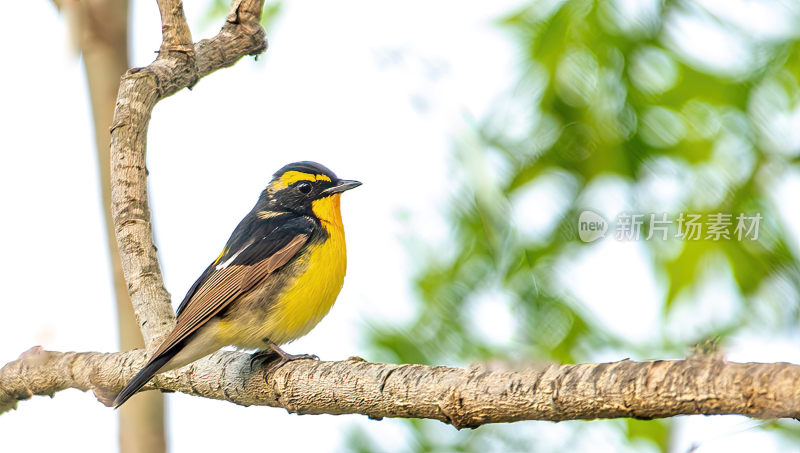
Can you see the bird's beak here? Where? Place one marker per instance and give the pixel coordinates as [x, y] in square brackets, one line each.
[341, 186]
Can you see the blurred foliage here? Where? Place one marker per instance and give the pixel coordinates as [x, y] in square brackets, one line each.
[617, 105]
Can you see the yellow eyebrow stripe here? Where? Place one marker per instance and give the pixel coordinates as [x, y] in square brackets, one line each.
[291, 177]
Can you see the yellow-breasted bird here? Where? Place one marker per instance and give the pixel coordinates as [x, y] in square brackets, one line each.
[276, 278]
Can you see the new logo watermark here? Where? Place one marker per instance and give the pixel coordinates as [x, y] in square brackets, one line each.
[685, 226]
[591, 226]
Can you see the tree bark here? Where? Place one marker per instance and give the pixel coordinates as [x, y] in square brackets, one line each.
[464, 398]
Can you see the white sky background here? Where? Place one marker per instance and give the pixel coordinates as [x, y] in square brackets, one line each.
[347, 84]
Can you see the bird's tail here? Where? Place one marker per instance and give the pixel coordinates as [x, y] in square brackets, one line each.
[143, 376]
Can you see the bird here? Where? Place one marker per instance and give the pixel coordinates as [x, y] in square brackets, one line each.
[276, 278]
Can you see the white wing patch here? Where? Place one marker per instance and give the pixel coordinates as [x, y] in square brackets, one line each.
[228, 261]
[263, 215]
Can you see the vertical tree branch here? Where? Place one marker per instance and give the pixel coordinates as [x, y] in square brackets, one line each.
[175, 33]
[151, 303]
[100, 30]
[178, 65]
[103, 29]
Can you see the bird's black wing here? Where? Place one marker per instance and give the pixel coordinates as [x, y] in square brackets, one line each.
[257, 259]
[249, 228]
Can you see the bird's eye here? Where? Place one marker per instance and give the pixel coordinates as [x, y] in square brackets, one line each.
[304, 188]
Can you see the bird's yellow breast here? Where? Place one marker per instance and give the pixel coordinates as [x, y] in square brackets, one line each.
[309, 297]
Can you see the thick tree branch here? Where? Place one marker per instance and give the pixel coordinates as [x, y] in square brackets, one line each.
[176, 67]
[464, 398]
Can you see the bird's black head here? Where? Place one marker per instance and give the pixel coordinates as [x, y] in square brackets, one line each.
[297, 186]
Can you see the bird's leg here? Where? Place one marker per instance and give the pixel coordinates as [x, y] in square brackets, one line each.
[261, 356]
[274, 349]
[286, 357]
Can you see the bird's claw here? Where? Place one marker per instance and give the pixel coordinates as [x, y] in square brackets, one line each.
[291, 357]
[283, 356]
